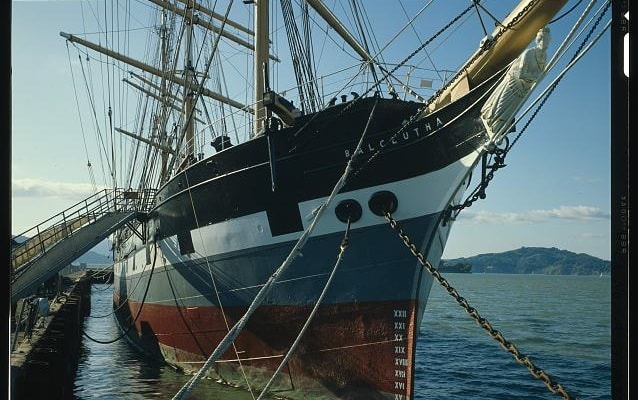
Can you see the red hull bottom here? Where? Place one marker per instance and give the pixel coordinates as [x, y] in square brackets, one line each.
[349, 351]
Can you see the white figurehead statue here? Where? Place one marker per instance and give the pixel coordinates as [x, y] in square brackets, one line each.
[499, 110]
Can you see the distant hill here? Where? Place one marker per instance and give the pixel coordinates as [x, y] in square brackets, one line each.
[455, 267]
[534, 260]
[92, 257]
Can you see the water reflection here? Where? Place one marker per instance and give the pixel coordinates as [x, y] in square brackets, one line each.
[117, 371]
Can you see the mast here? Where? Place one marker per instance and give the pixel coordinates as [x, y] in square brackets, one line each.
[161, 130]
[168, 101]
[161, 89]
[164, 149]
[206, 24]
[219, 17]
[260, 67]
[152, 70]
[332, 20]
[189, 77]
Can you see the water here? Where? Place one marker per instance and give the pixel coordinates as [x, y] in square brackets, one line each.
[561, 322]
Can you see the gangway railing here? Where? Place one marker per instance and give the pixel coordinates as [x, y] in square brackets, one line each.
[43, 236]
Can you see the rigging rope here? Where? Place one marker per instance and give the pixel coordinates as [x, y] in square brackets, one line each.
[411, 24]
[479, 191]
[263, 292]
[90, 95]
[566, 12]
[359, 24]
[199, 88]
[301, 60]
[388, 73]
[293, 347]
[109, 114]
[497, 22]
[459, 74]
[212, 278]
[415, 52]
[139, 310]
[580, 52]
[77, 104]
[475, 2]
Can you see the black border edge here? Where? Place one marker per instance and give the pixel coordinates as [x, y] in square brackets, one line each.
[5, 114]
[620, 276]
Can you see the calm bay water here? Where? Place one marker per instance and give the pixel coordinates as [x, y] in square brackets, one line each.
[561, 322]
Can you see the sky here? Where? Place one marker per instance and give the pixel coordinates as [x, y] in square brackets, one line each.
[554, 192]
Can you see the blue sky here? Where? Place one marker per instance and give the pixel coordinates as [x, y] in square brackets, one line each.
[554, 192]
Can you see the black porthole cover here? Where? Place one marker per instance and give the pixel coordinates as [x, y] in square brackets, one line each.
[348, 210]
[382, 202]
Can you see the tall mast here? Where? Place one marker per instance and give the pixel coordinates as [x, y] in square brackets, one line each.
[195, 20]
[261, 62]
[161, 129]
[189, 77]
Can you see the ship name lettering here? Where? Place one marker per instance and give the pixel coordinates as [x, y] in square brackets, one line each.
[399, 349]
[428, 127]
[406, 135]
[401, 361]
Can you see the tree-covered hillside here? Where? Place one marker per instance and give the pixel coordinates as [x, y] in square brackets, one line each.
[535, 260]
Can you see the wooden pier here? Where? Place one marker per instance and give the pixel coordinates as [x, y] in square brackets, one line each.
[45, 340]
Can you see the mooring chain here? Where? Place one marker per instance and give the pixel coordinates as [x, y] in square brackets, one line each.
[479, 191]
[538, 373]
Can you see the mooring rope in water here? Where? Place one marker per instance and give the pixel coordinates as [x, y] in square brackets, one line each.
[139, 310]
[263, 292]
[521, 358]
[293, 347]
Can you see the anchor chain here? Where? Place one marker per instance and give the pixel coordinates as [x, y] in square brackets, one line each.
[479, 192]
[521, 358]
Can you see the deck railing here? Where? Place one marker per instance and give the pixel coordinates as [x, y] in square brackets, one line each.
[49, 232]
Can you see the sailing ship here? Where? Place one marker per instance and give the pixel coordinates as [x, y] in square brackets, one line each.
[263, 254]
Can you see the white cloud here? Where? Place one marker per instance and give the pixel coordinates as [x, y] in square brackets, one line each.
[579, 213]
[40, 188]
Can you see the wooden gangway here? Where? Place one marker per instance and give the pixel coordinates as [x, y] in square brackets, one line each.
[55, 243]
